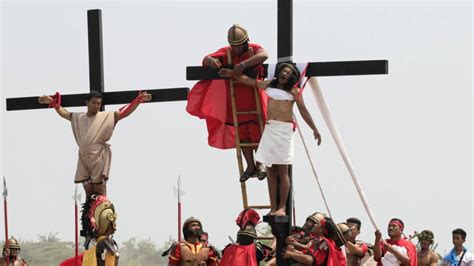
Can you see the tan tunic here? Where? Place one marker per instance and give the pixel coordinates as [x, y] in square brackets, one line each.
[91, 134]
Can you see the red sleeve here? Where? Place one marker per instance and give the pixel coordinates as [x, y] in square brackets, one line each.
[175, 256]
[257, 48]
[365, 248]
[220, 54]
[212, 260]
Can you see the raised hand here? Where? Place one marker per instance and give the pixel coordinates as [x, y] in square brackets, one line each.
[45, 99]
[317, 136]
[213, 63]
[145, 97]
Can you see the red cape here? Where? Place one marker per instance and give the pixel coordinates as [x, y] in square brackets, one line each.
[410, 247]
[210, 100]
[239, 255]
[335, 257]
[72, 261]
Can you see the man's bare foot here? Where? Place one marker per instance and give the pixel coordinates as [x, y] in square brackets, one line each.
[280, 212]
[271, 213]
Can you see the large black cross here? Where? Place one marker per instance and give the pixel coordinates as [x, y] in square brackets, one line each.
[281, 225]
[96, 78]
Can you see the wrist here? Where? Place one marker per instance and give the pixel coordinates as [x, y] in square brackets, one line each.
[243, 64]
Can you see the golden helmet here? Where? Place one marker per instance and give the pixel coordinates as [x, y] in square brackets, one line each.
[103, 216]
[345, 232]
[317, 217]
[237, 35]
[13, 243]
[248, 230]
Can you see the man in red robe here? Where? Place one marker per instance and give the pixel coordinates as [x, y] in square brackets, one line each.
[323, 249]
[211, 99]
[396, 250]
[247, 251]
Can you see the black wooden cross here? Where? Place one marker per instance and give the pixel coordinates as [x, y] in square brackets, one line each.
[281, 225]
[96, 78]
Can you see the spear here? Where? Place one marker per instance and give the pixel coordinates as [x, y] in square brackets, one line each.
[5, 211]
[77, 200]
[178, 192]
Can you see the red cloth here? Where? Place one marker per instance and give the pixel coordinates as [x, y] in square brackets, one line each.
[410, 247]
[326, 250]
[210, 100]
[247, 216]
[72, 261]
[235, 254]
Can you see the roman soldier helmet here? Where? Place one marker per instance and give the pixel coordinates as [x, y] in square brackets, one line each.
[102, 215]
[317, 218]
[343, 234]
[237, 35]
[187, 222]
[247, 220]
[12, 244]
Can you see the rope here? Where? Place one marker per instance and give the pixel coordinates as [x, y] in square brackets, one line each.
[331, 124]
[312, 168]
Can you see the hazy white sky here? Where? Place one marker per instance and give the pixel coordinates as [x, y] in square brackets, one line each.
[409, 133]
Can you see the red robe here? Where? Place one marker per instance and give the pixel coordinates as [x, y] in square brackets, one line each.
[210, 100]
[325, 250]
[235, 254]
[410, 247]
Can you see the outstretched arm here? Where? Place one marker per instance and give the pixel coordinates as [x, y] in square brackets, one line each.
[305, 114]
[354, 249]
[261, 84]
[45, 99]
[131, 107]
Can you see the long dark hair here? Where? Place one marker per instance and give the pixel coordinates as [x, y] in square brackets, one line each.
[292, 80]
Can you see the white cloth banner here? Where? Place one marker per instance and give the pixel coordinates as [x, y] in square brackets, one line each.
[331, 124]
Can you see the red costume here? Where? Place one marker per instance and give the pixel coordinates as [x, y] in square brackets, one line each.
[325, 252]
[409, 246]
[211, 100]
[247, 251]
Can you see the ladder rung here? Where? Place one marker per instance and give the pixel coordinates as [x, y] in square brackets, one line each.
[259, 206]
[246, 112]
[249, 144]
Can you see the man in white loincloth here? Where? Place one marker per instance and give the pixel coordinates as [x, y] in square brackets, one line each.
[276, 145]
[92, 130]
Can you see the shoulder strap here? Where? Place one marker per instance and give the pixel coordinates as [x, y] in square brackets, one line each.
[462, 256]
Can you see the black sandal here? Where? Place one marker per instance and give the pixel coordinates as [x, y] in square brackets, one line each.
[245, 176]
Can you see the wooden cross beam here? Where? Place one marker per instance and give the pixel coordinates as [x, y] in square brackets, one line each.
[96, 78]
[281, 225]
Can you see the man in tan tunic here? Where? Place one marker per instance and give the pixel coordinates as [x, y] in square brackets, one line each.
[92, 130]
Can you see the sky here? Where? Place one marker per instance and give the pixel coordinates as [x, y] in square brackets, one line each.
[409, 133]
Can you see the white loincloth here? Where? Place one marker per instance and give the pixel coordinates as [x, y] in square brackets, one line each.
[276, 145]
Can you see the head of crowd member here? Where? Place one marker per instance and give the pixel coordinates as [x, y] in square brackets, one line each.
[355, 225]
[192, 228]
[395, 228]
[459, 237]
[426, 239]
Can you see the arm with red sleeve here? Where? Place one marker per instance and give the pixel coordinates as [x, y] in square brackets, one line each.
[213, 259]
